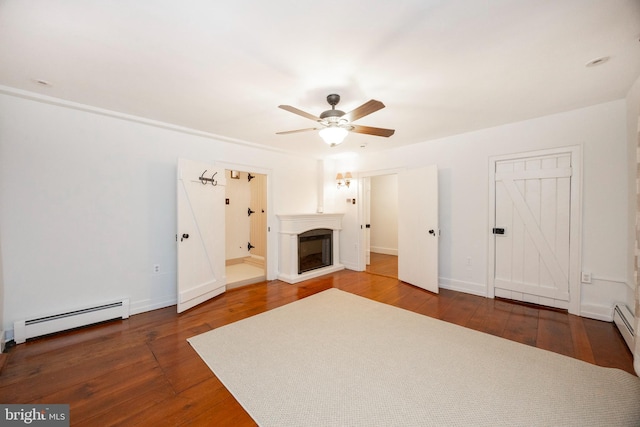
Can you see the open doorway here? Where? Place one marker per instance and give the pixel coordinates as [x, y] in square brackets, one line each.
[417, 224]
[246, 228]
[382, 225]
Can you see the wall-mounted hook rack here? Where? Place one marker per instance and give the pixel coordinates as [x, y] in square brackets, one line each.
[249, 246]
[212, 180]
[250, 177]
[249, 211]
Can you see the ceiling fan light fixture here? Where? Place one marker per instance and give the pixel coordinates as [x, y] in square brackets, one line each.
[333, 135]
[337, 124]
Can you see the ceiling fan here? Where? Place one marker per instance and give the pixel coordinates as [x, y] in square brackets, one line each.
[336, 124]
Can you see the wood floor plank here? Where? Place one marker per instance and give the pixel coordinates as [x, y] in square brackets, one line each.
[183, 407]
[42, 381]
[497, 315]
[522, 325]
[554, 333]
[608, 346]
[581, 345]
[383, 264]
[461, 310]
[181, 369]
[144, 384]
[227, 412]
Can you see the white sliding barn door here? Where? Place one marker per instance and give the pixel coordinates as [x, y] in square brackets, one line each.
[201, 233]
[532, 231]
[418, 231]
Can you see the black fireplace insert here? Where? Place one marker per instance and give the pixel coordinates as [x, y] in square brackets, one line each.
[315, 249]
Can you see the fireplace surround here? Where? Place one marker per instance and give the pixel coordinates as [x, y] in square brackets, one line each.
[320, 234]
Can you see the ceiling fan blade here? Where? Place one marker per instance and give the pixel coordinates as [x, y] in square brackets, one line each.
[294, 110]
[296, 131]
[372, 131]
[364, 110]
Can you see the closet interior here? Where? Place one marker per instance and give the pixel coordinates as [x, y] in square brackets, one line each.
[246, 228]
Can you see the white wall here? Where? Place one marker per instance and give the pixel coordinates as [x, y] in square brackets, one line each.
[463, 194]
[384, 214]
[88, 205]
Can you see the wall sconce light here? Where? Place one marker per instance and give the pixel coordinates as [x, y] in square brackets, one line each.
[344, 179]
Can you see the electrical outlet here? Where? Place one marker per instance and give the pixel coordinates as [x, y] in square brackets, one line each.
[156, 268]
[586, 277]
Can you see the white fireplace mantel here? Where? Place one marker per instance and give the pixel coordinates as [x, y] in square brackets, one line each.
[299, 223]
[290, 227]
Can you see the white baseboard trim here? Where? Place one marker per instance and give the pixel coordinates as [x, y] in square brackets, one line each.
[148, 305]
[3, 341]
[351, 266]
[293, 279]
[385, 251]
[479, 289]
[597, 312]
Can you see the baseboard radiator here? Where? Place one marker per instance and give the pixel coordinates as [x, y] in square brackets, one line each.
[35, 327]
[624, 320]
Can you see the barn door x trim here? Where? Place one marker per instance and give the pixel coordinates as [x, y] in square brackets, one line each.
[575, 240]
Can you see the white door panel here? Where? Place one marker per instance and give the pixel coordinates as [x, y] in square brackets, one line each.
[201, 233]
[367, 220]
[418, 231]
[532, 205]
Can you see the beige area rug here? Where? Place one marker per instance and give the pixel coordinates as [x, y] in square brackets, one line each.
[337, 359]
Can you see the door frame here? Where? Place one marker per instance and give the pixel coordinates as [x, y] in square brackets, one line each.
[575, 237]
[362, 261]
[272, 235]
[366, 218]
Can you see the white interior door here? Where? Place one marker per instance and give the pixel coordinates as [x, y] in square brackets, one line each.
[532, 229]
[418, 231]
[201, 233]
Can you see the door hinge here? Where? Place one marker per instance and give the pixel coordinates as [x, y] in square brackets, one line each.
[498, 231]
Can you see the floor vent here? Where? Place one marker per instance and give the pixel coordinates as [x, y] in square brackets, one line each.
[35, 327]
[624, 320]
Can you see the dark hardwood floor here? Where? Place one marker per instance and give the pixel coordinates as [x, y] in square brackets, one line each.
[142, 371]
[384, 265]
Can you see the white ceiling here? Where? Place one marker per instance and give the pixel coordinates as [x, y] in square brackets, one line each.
[223, 67]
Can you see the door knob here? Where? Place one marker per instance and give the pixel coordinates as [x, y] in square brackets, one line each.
[184, 236]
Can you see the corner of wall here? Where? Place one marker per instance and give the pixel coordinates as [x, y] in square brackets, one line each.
[599, 297]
